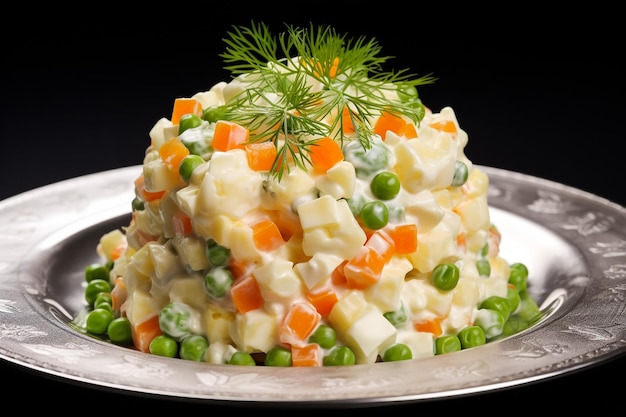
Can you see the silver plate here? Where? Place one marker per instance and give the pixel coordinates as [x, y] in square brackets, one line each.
[573, 242]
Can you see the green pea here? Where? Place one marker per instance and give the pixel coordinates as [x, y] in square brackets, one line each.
[164, 345]
[445, 276]
[96, 271]
[375, 215]
[324, 336]
[217, 254]
[94, 288]
[98, 320]
[514, 325]
[102, 299]
[366, 161]
[137, 204]
[497, 303]
[278, 356]
[188, 121]
[483, 267]
[241, 358]
[214, 113]
[356, 204]
[174, 320]
[407, 92]
[447, 344]
[528, 308]
[514, 298]
[120, 332]
[397, 352]
[397, 318]
[218, 281]
[188, 164]
[193, 347]
[491, 321]
[472, 336]
[340, 356]
[518, 276]
[385, 185]
[461, 173]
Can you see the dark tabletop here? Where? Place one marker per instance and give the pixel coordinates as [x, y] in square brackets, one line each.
[534, 98]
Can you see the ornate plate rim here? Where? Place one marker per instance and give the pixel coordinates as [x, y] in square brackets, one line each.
[33, 335]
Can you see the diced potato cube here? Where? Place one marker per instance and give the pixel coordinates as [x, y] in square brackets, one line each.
[278, 280]
[192, 251]
[254, 331]
[425, 209]
[370, 335]
[189, 290]
[437, 244]
[218, 321]
[317, 270]
[474, 214]
[141, 306]
[339, 181]
[422, 344]
[346, 311]
[385, 294]
[330, 227]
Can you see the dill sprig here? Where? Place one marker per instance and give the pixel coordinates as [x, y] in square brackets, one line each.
[298, 86]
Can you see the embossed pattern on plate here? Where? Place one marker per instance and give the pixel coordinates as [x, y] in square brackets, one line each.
[573, 242]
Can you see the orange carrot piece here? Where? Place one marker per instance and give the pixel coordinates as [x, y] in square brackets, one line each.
[396, 124]
[172, 153]
[140, 186]
[429, 326]
[325, 153]
[405, 238]
[382, 243]
[323, 300]
[118, 294]
[239, 268]
[184, 106]
[298, 324]
[261, 155]
[308, 355]
[229, 135]
[144, 332]
[266, 235]
[364, 269]
[246, 294]
[346, 122]
[118, 251]
[182, 224]
[447, 126]
[338, 277]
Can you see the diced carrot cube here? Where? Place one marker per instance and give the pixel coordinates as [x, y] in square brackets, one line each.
[184, 106]
[246, 294]
[405, 238]
[396, 124]
[307, 355]
[338, 277]
[182, 224]
[118, 294]
[325, 153]
[140, 186]
[266, 235]
[364, 270]
[382, 243]
[429, 326]
[298, 324]
[239, 268]
[261, 155]
[346, 122]
[229, 135]
[172, 153]
[144, 332]
[323, 300]
[445, 126]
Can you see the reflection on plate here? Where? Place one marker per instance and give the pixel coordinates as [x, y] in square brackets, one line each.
[574, 244]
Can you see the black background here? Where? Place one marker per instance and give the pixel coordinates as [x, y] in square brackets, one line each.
[539, 93]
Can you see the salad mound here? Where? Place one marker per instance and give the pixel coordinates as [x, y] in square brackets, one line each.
[309, 212]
